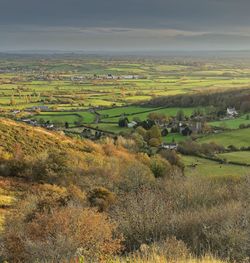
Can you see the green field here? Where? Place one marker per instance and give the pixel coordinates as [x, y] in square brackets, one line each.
[70, 117]
[141, 113]
[123, 110]
[109, 117]
[231, 124]
[209, 168]
[238, 138]
[240, 157]
[82, 82]
[111, 127]
[174, 136]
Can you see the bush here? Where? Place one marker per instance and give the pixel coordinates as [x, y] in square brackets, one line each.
[101, 198]
[160, 167]
[143, 217]
[192, 148]
[172, 157]
[62, 234]
[218, 229]
[201, 212]
[134, 176]
[170, 249]
[154, 142]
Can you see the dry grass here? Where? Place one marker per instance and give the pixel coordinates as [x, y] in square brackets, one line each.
[154, 258]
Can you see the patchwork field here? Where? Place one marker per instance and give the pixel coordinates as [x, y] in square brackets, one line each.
[96, 92]
[81, 82]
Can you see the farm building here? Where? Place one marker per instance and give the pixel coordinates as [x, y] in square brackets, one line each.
[170, 146]
[231, 112]
[132, 124]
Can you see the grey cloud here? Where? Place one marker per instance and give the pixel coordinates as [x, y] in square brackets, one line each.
[95, 39]
[106, 24]
[189, 14]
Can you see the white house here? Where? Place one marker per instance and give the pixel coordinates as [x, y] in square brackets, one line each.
[132, 124]
[170, 146]
[231, 112]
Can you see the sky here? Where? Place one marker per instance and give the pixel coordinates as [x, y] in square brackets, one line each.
[124, 25]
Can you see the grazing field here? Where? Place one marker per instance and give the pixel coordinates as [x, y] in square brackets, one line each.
[232, 124]
[204, 167]
[142, 113]
[240, 157]
[238, 138]
[128, 110]
[176, 137]
[111, 127]
[62, 117]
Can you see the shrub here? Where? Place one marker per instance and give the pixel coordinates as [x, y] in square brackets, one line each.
[143, 216]
[170, 249]
[154, 142]
[134, 176]
[219, 229]
[60, 235]
[101, 198]
[172, 157]
[160, 167]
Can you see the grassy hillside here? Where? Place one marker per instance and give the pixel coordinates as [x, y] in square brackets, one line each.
[16, 136]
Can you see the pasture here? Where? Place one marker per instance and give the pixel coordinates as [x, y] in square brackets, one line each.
[240, 156]
[233, 123]
[238, 138]
[204, 167]
[140, 113]
[62, 117]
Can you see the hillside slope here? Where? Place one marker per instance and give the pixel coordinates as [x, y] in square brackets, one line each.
[53, 186]
[30, 139]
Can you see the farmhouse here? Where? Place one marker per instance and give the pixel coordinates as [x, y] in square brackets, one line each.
[231, 112]
[169, 146]
[132, 124]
